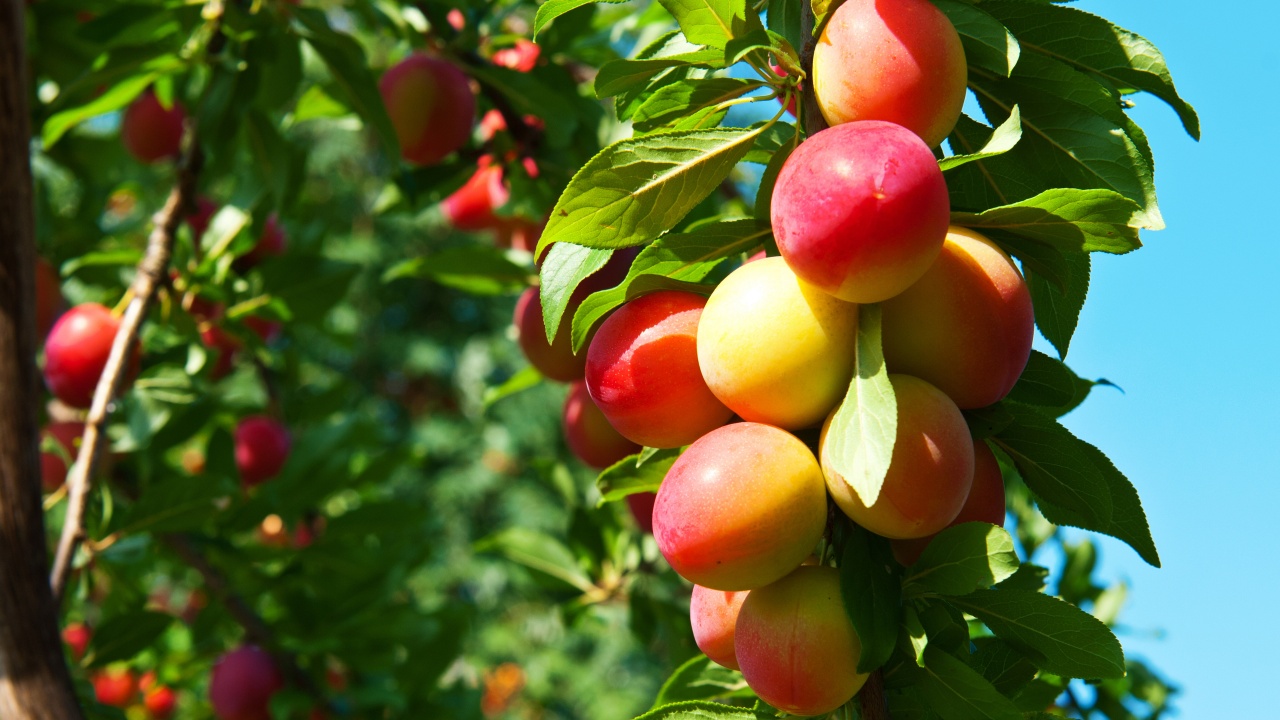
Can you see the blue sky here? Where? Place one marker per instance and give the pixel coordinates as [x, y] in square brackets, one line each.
[1187, 326]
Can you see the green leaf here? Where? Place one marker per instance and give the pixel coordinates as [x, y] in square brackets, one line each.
[681, 99]
[1069, 219]
[636, 189]
[618, 75]
[316, 103]
[116, 97]
[872, 594]
[1057, 636]
[123, 636]
[1118, 57]
[553, 9]
[683, 257]
[474, 269]
[174, 505]
[699, 710]
[1055, 466]
[712, 23]
[987, 43]
[962, 559]
[537, 551]
[522, 380]
[957, 692]
[635, 474]
[769, 179]
[1057, 309]
[859, 442]
[1005, 668]
[700, 679]
[783, 18]
[1028, 577]
[564, 268]
[1044, 381]
[1001, 140]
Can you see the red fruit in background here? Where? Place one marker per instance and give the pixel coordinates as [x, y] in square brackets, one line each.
[242, 684]
[861, 210]
[431, 106]
[985, 503]
[471, 207]
[199, 220]
[262, 447]
[713, 615]
[48, 297]
[160, 702]
[271, 243]
[149, 132]
[115, 688]
[53, 469]
[589, 434]
[267, 330]
[76, 351]
[456, 19]
[519, 234]
[77, 636]
[641, 507]
[523, 56]
[642, 370]
[223, 346]
[491, 124]
[791, 105]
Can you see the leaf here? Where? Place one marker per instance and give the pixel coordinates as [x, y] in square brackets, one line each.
[635, 474]
[962, 559]
[637, 188]
[1057, 310]
[537, 551]
[712, 23]
[859, 442]
[475, 269]
[1057, 636]
[1044, 381]
[316, 103]
[564, 268]
[1055, 466]
[681, 99]
[987, 43]
[699, 710]
[173, 505]
[522, 380]
[872, 594]
[616, 76]
[957, 692]
[123, 636]
[1028, 577]
[783, 18]
[553, 9]
[684, 257]
[116, 97]
[1069, 219]
[1001, 140]
[699, 679]
[1002, 666]
[1094, 45]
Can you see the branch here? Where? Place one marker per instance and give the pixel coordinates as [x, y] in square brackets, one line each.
[151, 274]
[871, 698]
[810, 113]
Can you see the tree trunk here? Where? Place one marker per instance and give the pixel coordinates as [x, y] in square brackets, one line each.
[34, 682]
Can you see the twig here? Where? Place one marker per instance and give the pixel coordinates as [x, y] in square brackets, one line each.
[872, 700]
[810, 113]
[150, 275]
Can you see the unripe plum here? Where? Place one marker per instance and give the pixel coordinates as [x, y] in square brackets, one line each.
[115, 688]
[861, 210]
[242, 683]
[431, 106]
[741, 507]
[642, 371]
[53, 469]
[713, 614]
[262, 447]
[985, 503]
[48, 297]
[589, 434]
[966, 325]
[775, 349]
[641, 507]
[471, 207]
[894, 60]
[930, 472]
[796, 645]
[75, 353]
[149, 132]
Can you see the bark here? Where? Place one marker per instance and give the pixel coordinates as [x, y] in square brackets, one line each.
[34, 681]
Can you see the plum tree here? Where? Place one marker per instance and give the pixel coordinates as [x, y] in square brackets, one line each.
[262, 447]
[76, 350]
[713, 614]
[642, 371]
[930, 472]
[795, 644]
[242, 683]
[966, 325]
[150, 132]
[775, 349]
[588, 433]
[861, 210]
[431, 105]
[985, 503]
[741, 507]
[471, 207]
[894, 60]
[53, 467]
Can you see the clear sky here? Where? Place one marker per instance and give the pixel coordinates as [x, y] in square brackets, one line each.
[1188, 327]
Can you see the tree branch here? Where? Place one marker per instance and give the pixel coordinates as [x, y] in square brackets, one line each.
[872, 700]
[810, 113]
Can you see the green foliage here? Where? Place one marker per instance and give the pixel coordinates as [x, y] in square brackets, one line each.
[864, 428]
